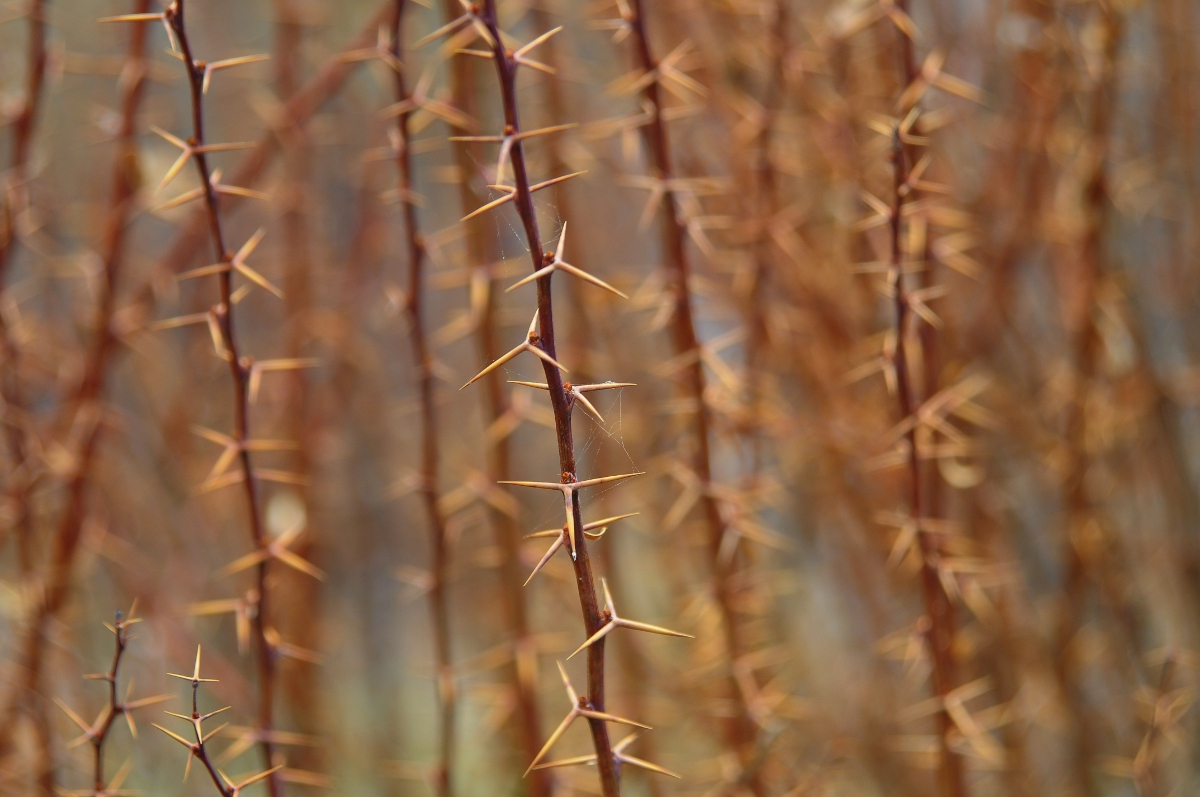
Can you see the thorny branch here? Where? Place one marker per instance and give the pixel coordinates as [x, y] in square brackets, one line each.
[496, 406]
[84, 411]
[15, 201]
[506, 71]
[240, 369]
[741, 729]
[937, 603]
[97, 733]
[429, 427]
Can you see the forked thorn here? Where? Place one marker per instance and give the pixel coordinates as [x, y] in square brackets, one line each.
[580, 707]
[556, 263]
[616, 621]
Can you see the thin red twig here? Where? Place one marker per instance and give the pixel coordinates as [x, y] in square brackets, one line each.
[239, 369]
[439, 609]
[506, 72]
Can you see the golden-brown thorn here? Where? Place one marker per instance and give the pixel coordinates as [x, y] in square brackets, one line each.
[530, 344]
[506, 142]
[188, 149]
[576, 391]
[579, 708]
[619, 755]
[616, 622]
[277, 549]
[195, 676]
[511, 192]
[560, 534]
[558, 264]
[568, 492]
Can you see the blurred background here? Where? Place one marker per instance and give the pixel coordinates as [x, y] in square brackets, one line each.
[983, 579]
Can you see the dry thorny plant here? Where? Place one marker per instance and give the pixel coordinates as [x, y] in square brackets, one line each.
[916, 480]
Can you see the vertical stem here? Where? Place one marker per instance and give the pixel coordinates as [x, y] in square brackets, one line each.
[429, 430]
[83, 406]
[496, 451]
[938, 608]
[740, 731]
[1085, 344]
[239, 373]
[506, 72]
[924, 492]
[16, 191]
[299, 686]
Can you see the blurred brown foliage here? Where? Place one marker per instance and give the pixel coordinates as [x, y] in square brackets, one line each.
[900, 297]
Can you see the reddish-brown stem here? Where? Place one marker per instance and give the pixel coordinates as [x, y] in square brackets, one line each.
[115, 706]
[239, 372]
[765, 206]
[506, 72]
[740, 731]
[16, 191]
[200, 750]
[84, 407]
[294, 115]
[295, 595]
[938, 607]
[429, 430]
[1086, 345]
[924, 492]
[496, 451]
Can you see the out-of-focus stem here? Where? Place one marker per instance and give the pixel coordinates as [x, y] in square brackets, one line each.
[740, 731]
[429, 430]
[295, 595]
[239, 372]
[84, 406]
[1085, 345]
[938, 607]
[496, 451]
[17, 191]
[506, 72]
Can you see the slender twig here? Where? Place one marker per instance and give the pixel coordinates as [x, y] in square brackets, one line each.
[198, 749]
[495, 405]
[938, 606]
[541, 336]
[15, 202]
[444, 770]
[240, 372]
[740, 731]
[83, 410]
[96, 734]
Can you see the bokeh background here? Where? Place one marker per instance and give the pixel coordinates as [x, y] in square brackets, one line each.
[1053, 234]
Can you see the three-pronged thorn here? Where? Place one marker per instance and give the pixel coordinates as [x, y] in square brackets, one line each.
[238, 263]
[615, 622]
[277, 549]
[560, 534]
[580, 707]
[188, 150]
[556, 263]
[619, 756]
[531, 344]
[568, 490]
[506, 142]
[576, 392]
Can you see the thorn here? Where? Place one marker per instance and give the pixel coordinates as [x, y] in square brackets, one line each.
[616, 622]
[530, 345]
[558, 264]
